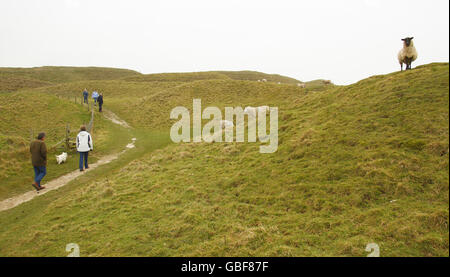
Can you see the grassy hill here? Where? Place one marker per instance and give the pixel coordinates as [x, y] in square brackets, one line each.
[355, 164]
[12, 79]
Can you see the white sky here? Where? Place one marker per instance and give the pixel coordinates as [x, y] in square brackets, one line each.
[344, 41]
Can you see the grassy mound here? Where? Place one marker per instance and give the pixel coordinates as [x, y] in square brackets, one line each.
[356, 164]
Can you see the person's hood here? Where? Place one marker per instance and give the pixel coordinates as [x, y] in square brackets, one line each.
[83, 134]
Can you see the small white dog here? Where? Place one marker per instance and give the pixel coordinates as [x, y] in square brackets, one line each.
[61, 158]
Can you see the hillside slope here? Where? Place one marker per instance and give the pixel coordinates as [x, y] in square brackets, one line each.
[12, 79]
[355, 165]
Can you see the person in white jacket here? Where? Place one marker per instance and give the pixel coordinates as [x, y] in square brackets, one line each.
[84, 145]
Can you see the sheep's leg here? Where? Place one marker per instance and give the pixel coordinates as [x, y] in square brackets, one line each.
[401, 66]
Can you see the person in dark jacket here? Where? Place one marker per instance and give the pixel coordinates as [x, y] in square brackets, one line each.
[38, 151]
[100, 102]
[85, 96]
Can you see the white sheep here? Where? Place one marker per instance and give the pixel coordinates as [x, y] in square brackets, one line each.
[407, 54]
[301, 85]
[251, 111]
[226, 123]
[264, 80]
[61, 158]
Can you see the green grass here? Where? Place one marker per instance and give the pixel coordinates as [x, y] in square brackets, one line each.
[356, 164]
[14, 83]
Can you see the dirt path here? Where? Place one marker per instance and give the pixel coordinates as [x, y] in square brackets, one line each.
[63, 180]
[115, 119]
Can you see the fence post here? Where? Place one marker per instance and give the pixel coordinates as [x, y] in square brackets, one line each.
[67, 137]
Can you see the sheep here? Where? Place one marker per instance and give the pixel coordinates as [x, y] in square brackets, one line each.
[226, 123]
[327, 82]
[251, 111]
[263, 80]
[279, 83]
[407, 54]
[301, 85]
[61, 158]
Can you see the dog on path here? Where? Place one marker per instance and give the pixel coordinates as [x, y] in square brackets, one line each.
[61, 158]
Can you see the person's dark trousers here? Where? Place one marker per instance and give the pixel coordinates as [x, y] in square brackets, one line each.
[100, 107]
[85, 100]
[84, 157]
[95, 101]
[39, 173]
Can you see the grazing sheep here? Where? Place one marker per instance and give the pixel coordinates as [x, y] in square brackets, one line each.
[259, 80]
[327, 82]
[279, 83]
[226, 123]
[263, 80]
[251, 111]
[301, 85]
[61, 158]
[407, 54]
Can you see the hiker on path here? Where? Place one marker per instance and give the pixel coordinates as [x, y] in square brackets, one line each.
[95, 96]
[85, 96]
[84, 145]
[100, 102]
[38, 151]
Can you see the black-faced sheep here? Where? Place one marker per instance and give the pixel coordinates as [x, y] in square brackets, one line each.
[408, 54]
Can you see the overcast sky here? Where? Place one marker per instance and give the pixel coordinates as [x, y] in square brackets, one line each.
[344, 41]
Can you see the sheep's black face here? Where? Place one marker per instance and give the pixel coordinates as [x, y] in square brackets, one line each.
[408, 41]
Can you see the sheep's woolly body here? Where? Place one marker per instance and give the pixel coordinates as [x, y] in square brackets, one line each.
[409, 52]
